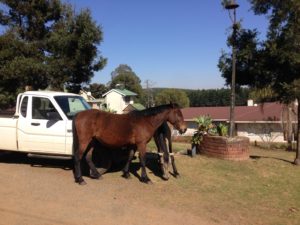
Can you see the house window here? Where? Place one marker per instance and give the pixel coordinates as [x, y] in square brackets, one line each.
[127, 99]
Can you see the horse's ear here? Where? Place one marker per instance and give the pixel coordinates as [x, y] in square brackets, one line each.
[172, 104]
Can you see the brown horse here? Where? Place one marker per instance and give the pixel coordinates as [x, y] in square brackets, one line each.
[105, 158]
[133, 131]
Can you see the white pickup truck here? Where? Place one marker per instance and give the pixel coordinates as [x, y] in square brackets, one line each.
[42, 123]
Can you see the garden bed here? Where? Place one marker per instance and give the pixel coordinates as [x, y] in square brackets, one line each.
[236, 148]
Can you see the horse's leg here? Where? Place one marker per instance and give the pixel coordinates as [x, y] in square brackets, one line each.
[142, 156]
[126, 173]
[93, 170]
[78, 152]
[175, 172]
[165, 143]
[158, 141]
[163, 155]
[106, 162]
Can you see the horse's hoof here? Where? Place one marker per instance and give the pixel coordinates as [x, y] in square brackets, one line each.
[146, 180]
[177, 175]
[165, 177]
[82, 183]
[96, 176]
[126, 175]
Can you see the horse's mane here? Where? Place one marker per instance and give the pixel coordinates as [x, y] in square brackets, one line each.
[154, 110]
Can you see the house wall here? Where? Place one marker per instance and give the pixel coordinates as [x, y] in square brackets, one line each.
[95, 105]
[261, 132]
[115, 101]
[191, 128]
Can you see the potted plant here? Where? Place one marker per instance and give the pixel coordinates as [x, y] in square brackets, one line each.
[213, 141]
[222, 129]
[205, 126]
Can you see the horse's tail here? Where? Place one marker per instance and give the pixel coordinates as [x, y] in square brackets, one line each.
[76, 154]
[76, 157]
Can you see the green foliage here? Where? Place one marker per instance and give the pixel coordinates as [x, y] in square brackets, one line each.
[97, 90]
[274, 62]
[73, 44]
[222, 129]
[205, 126]
[248, 59]
[216, 97]
[172, 95]
[264, 94]
[45, 43]
[124, 77]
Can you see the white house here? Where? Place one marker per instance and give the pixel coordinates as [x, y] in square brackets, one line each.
[94, 103]
[118, 99]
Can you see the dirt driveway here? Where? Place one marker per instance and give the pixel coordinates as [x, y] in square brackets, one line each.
[38, 191]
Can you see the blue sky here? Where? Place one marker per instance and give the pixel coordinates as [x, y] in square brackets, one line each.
[172, 43]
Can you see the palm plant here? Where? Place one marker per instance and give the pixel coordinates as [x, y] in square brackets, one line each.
[205, 126]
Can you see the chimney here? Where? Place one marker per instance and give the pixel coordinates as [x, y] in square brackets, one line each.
[250, 102]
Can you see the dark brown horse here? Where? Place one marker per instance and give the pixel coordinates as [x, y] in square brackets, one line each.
[105, 158]
[132, 131]
[163, 141]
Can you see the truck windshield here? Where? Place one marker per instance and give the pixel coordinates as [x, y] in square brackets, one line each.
[71, 105]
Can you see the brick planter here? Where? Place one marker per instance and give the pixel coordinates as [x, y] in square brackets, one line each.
[236, 148]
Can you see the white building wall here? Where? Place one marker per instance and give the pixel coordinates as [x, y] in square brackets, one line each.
[115, 102]
[261, 132]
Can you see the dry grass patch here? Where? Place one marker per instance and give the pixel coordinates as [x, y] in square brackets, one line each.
[261, 190]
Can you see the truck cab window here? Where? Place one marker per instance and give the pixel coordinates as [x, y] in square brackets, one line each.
[42, 108]
[71, 105]
[24, 106]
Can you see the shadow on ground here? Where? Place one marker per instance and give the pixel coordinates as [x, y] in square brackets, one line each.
[268, 157]
[111, 162]
[22, 158]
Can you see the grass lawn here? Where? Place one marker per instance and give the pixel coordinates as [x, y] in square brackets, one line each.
[262, 190]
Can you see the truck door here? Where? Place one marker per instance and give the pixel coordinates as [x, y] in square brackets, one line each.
[43, 130]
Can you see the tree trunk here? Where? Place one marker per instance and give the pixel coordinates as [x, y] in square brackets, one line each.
[289, 127]
[297, 159]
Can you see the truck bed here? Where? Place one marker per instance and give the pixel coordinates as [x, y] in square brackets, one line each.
[6, 113]
[8, 132]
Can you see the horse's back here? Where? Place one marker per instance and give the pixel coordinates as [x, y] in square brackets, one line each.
[109, 129]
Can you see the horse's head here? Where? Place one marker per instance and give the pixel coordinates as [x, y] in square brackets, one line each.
[176, 119]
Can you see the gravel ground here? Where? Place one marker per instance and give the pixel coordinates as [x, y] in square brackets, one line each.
[39, 191]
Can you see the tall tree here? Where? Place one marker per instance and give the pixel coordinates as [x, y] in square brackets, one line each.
[216, 97]
[73, 44]
[124, 77]
[97, 90]
[172, 95]
[276, 61]
[45, 43]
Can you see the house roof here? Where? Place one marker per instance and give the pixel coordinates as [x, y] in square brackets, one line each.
[138, 106]
[123, 92]
[133, 107]
[261, 113]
